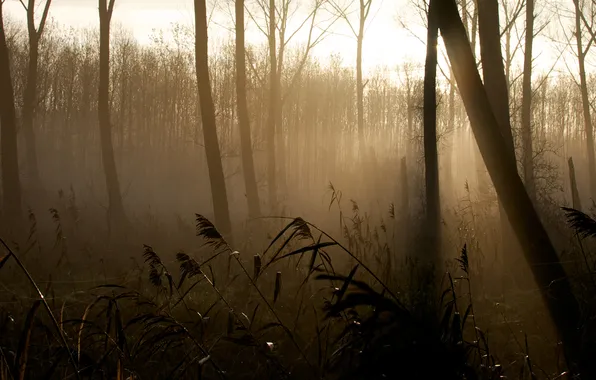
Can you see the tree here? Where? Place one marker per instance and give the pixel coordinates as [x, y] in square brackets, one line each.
[212, 150]
[538, 250]
[495, 84]
[431, 158]
[526, 116]
[11, 183]
[278, 37]
[431, 162]
[273, 105]
[248, 166]
[30, 97]
[363, 13]
[116, 215]
[582, 52]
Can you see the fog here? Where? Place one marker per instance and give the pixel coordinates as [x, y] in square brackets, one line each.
[341, 210]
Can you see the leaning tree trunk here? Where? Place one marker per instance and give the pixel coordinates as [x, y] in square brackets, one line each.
[495, 83]
[11, 183]
[537, 247]
[116, 215]
[248, 165]
[214, 164]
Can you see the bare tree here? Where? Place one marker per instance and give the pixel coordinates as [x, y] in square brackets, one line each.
[495, 83]
[431, 162]
[115, 208]
[526, 116]
[248, 166]
[30, 97]
[537, 247]
[11, 183]
[586, 23]
[212, 150]
[278, 37]
[364, 7]
[273, 105]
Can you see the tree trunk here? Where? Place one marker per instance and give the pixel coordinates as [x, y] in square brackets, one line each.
[29, 101]
[537, 247]
[273, 91]
[526, 116]
[248, 166]
[431, 163]
[11, 183]
[495, 83]
[30, 96]
[359, 82]
[116, 213]
[581, 57]
[214, 164]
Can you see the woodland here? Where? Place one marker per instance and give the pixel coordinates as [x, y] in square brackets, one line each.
[192, 208]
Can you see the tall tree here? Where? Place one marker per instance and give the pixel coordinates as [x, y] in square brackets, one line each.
[582, 52]
[279, 36]
[431, 162]
[526, 116]
[248, 166]
[537, 247]
[212, 150]
[364, 7]
[11, 183]
[495, 83]
[116, 215]
[273, 104]
[30, 96]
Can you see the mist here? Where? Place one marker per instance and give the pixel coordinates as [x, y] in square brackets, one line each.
[260, 191]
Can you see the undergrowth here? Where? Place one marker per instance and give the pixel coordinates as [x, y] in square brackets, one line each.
[306, 305]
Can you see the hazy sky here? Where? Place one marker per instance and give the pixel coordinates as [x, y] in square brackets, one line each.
[386, 44]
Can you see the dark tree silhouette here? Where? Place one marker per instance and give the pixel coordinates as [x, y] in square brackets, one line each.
[582, 52]
[248, 166]
[495, 83]
[273, 104]
[11, 183]
[212, 150]
[526, 115]
[537, 247]
[431, 162]
[116, 215]
[30, 96]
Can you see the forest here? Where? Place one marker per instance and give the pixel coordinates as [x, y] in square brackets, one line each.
[224, 208]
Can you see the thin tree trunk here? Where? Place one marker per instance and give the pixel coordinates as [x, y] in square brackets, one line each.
[538, 249]
[30, 96]
[359, 82]
[248, 166]
[273, 91]
[526, 116]
[11, 183]
[116, 213]
[431, 163]
[214, 164]
[581, 57]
